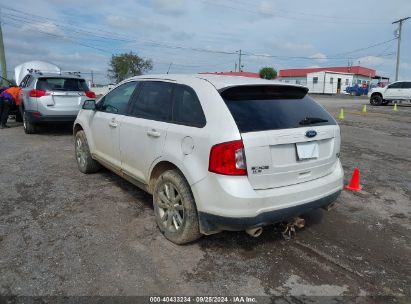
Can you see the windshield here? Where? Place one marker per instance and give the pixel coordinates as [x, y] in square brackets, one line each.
[261, 108]
[62, 84]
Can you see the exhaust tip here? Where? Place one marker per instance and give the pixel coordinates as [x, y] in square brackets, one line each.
[255, 232]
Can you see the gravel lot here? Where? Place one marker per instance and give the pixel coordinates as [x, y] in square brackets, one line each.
[66, 233]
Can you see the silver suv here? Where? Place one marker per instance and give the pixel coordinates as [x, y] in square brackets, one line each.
[51, 98]
[217, 152]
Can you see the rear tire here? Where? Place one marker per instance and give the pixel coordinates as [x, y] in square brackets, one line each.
[85, 162]
[175, 209]
[376, 100]
[29, 128]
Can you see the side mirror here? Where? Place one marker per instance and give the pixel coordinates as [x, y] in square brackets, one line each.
[89, 105]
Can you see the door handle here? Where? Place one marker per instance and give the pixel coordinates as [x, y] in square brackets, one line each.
[113, 123]
[153, 133]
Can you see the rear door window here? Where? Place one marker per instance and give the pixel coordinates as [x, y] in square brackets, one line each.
[395, 85]
[154, 101]
[406, 85]
[62, 84]
[261, 108]
[187, 109]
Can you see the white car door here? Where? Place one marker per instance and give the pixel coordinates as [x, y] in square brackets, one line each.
[105, 123]
[144, 131]
[393, 91]
[406, 90]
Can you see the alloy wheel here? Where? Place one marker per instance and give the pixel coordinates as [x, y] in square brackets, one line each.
[170, 207]
[80, 153]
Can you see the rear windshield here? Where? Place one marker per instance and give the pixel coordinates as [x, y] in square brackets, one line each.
[62, 84]
[261, 108]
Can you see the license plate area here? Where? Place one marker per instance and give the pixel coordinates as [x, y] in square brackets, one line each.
[307, 150]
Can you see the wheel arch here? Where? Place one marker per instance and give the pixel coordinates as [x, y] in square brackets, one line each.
[159, 168]
[376, 93]
[77, 127]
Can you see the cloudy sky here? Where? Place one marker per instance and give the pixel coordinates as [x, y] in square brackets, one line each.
[204, 35]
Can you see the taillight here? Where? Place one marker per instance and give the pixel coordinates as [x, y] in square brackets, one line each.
[37, 93]
[90, 94]
[228, 158]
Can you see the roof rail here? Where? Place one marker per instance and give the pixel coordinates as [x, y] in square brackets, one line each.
[34, 71]
[72, 73]
[78, 74]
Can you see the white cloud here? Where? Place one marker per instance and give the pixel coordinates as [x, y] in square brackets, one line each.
[320, 57]
[266, 8]
[170, 7]
[44, 27]
[136, 24]
[371, 60]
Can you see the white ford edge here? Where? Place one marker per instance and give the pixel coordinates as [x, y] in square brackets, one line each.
[217, 152]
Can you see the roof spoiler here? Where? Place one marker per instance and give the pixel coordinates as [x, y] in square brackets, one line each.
[263, 92]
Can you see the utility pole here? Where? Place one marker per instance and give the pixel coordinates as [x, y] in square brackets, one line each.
[239, 62]
[92, 78]
[397, 67]
[2, 56]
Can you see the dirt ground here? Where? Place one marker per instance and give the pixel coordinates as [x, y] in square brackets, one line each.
[66, 233]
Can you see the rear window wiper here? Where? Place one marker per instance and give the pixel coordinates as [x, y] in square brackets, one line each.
[312, 120]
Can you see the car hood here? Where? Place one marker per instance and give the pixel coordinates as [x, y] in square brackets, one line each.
[377, 89]
[22, 70]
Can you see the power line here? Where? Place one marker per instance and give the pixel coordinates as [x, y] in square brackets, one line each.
[106, 36]
[273, 14]
[66, 37]
[343, 19]
[366, 48]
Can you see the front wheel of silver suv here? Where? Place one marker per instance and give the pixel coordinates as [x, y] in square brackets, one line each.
[175, 209]
[85, 162]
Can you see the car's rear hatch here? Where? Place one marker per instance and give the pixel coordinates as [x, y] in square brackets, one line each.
[62, 93]
[288, 138]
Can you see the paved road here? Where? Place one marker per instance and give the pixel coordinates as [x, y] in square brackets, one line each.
[65, 233]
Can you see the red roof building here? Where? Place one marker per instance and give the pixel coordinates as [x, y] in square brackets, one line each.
[356, 70]
[244, 74]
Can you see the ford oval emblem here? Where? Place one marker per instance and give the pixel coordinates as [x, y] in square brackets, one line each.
[311, 133]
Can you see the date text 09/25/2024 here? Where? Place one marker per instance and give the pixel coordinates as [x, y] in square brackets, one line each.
[203, 299]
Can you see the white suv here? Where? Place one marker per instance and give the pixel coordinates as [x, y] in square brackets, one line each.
[217, 152]
[400, 90]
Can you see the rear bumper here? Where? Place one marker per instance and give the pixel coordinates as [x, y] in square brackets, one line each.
[230, 203]
[34, 118]
[211, 223]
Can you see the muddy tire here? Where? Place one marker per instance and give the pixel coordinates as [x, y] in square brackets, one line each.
[29, 127]
[175, 209]
[86, 164]
[376, 100]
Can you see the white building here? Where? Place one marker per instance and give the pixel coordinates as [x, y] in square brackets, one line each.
[328, 82]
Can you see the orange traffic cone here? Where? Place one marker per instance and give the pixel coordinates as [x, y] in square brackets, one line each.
[354, 184]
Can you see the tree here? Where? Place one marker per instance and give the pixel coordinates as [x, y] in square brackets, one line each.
[126, 65]
[268, 73]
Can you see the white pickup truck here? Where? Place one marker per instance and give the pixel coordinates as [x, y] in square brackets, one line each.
[394, 92]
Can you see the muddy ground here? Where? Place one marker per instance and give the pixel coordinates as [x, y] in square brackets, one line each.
[66, 233]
